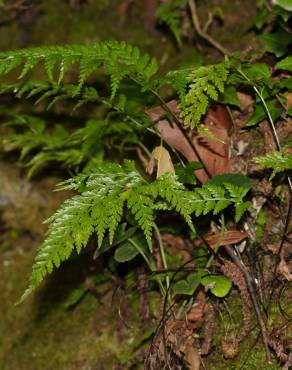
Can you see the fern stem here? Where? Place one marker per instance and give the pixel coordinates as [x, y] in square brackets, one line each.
[162, 252]
[150, 265]
[142, 253]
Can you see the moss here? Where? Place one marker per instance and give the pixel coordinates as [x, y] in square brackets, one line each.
[251, 354]
[41, 335]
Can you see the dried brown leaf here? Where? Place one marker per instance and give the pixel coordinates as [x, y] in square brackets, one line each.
[162, 159]
[214, 153]
[228, 238]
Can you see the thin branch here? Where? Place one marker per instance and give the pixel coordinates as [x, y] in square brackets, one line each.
[201, 32]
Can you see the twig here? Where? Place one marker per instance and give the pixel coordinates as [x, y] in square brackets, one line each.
[201, 32]
[209, 22]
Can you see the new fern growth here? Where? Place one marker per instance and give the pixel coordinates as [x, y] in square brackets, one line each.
[102, 200]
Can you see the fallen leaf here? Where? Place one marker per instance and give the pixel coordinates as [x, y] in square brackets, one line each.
[245, 100]
[214, 153]
[228, 238]
[161, 157]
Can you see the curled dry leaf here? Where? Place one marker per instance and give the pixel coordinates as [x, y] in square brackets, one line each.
[202, 315]
[162, 159]
[229, 348]
[214, 153]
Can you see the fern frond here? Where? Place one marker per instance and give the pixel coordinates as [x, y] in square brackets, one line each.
[277, 161]
[196, 88]
[118, 59]
[100, 206]
[204, 85]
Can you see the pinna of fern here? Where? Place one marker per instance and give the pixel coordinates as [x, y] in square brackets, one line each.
[104, 196]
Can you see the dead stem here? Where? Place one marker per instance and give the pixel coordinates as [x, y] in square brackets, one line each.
[201, 32]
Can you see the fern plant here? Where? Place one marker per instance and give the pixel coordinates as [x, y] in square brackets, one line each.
[101, 203]
[108, 193]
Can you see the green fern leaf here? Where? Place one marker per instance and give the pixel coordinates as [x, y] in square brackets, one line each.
[204, 85]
